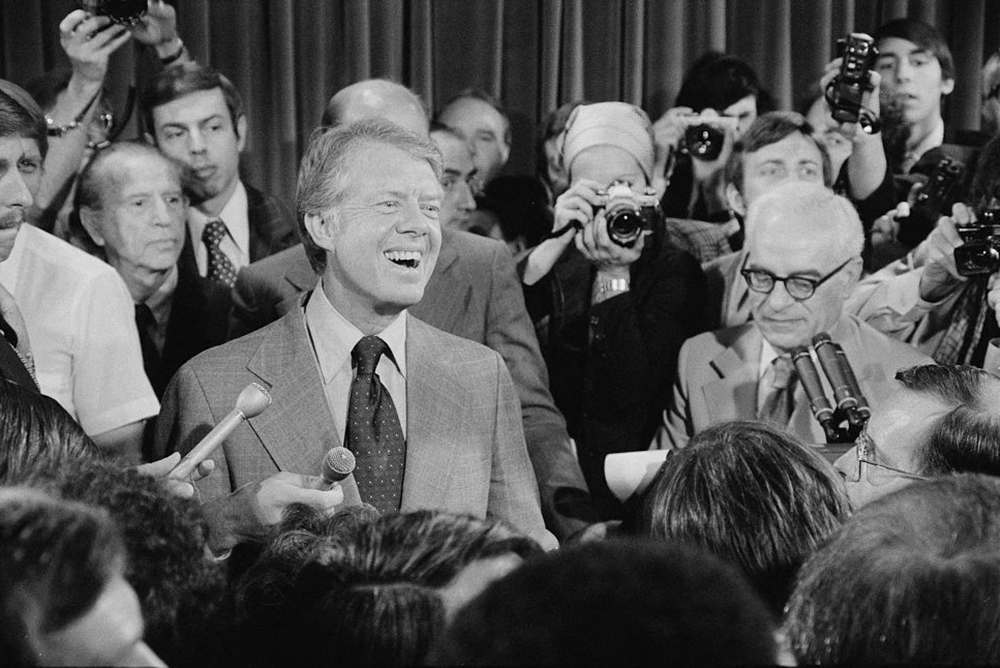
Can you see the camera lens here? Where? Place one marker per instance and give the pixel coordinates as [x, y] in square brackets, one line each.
[625, 226]
[704, 141]
[119, 11]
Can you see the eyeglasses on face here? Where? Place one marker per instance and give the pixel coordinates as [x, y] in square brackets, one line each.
[865, 449]
[799, 287]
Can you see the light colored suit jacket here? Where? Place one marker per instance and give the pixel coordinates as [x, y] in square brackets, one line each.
[717, 379]
[465, 450]
[474, 293]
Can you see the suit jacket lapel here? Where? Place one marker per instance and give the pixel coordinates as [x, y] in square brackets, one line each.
[429, 407]
[734, 395]
[297, 428]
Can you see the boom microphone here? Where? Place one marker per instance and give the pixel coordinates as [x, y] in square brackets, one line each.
[818, 403]
[251, 403]
[337, 465]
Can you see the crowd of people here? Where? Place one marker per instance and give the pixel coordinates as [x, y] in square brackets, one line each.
[797, 311]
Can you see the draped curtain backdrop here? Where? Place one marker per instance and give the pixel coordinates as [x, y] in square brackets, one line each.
[289, 56]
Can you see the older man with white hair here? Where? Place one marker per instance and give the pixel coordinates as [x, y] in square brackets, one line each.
[803, 259]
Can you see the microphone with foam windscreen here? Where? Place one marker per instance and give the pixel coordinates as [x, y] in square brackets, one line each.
[818, 403]
[843, 393]
[337, 465]
[251, 403]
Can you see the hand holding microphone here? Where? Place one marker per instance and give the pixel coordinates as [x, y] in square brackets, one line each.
[251, 403]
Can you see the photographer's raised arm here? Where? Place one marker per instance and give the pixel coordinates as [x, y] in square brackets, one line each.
[573, 210]
[158, 28]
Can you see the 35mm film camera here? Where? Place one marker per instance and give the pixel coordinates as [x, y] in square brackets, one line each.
[629, 214]
[705, 134]
[845, 92]
[979, 255]
[126, 12]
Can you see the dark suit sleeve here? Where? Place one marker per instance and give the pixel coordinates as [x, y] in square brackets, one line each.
[510, 333]
[272, 225]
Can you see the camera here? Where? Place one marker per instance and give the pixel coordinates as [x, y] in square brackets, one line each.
[705, 135]
[979, 255]
[858, 53]
[126, 12]
[934, 200]
[628, 214]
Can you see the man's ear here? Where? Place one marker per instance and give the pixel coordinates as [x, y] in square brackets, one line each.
[150, 139]
[735, 200]
[322, 229]
[947, 86]
[241, 132]
[90, 220]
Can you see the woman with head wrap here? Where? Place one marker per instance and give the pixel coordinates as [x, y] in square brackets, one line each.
[611, 308]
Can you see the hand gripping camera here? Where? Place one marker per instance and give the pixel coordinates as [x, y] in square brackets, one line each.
[845, 92]
[934, 200]
[980, 254]
[705, 135]
[629, 214]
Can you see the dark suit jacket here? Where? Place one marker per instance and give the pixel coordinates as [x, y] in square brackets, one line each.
[272, 228]
[465, 451]
[198, 320]
[474, 293]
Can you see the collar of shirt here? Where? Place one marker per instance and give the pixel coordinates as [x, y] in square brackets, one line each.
[767, 355]
[160, 301]
[235, 217]
[934, 138]
[334, 337]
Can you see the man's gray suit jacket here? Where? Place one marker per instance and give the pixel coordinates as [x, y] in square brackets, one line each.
[465, 450]
[473, 293]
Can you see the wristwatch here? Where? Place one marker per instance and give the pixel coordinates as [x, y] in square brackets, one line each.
[605, 285]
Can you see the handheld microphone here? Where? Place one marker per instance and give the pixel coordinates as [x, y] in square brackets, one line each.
[818, 403]
[337, 465]
[864, 410]
[251, 403]
[847, 402]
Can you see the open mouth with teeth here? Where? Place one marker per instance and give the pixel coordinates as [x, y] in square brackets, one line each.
[408, 259]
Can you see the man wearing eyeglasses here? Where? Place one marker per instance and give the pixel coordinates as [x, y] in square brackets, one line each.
[936, 420]
[803, 259]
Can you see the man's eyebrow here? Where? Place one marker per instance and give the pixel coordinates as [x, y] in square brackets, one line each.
[451, 171]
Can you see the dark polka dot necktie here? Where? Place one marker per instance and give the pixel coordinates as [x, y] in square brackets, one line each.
[373, 432]
[220, 267]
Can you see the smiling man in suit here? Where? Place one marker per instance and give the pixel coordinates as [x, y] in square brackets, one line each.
[803, 259]
[433, 419]
[473, 292]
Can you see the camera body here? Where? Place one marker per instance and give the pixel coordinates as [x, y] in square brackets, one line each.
[844, 93]
[628, 214]
[933, 200]
[705, 134]
[125, 12]
[979, 255]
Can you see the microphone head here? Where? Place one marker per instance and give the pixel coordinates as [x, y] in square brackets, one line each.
[822, 337]
[799, 351]
[339, 462]
[253, 400]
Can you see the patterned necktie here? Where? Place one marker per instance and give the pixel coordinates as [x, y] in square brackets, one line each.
[373, 432]
[220, 267]
[780, 379]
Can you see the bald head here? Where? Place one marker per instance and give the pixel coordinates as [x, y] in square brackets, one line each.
[377, 98]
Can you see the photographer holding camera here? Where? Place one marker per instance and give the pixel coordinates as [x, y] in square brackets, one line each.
[611, 300]
[720, 98]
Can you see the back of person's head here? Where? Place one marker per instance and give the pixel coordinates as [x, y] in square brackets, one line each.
[750, 494]
[55, 559]
[966, 439]
[767, 129]
[179, 81]
[37, 432]
[20, 116]
[365, 586]
[165, 538]
[716, 81]
[913, 578]
[377, 98]
[613, 603]
[476, 93]
[924, 36]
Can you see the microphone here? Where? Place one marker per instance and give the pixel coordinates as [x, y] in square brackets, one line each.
[847, 402]
[818, 403]
[337, 465]
[251, 403]
[864, 410]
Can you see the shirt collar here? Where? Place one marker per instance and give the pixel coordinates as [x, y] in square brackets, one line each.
[767, 355]
[236, 209]
[159, 302]
[334, 336]
[933, 139]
